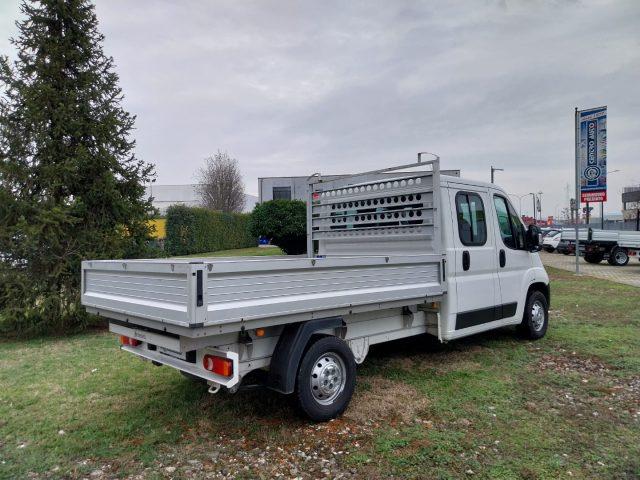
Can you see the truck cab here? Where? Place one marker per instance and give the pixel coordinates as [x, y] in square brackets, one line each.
[492, 266]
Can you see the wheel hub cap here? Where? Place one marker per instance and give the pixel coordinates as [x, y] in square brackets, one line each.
[327, 378]
[537, 316]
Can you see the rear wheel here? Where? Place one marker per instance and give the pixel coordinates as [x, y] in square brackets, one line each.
[595, 257]
[536, 316]
[326, 379]
[618, 257]
[549, 249]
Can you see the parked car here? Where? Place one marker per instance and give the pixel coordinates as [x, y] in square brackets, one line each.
[551, 241]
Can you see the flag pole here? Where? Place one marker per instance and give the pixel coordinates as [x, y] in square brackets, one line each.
[577, 151]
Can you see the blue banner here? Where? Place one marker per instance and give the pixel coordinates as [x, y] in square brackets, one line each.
[592, 154]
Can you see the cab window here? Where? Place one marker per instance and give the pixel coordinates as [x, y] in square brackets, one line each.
[472, 226]
[511, 228]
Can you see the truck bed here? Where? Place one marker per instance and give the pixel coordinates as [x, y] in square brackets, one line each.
[623, 238]
[198, 297]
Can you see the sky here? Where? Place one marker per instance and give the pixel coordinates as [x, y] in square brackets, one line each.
[297, 87]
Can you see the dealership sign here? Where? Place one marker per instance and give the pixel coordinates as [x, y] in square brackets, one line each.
[592, 154]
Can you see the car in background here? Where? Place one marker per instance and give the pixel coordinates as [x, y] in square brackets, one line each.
[551, 241]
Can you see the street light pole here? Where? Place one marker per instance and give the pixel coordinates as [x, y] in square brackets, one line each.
[519, 197]
[493, 170]
[533, 195]
[540, 204]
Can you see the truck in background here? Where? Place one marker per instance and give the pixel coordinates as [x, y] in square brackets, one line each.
[615, 246]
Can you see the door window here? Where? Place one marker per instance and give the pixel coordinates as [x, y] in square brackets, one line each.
[472, 226]
[511, 228]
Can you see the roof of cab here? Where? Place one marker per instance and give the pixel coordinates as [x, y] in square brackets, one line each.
[445, 179]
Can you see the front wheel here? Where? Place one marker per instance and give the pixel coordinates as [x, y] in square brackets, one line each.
[326, 379]
[536, 316]
[595, 257]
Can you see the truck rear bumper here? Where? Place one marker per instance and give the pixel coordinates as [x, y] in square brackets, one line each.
[191, 368]
[152, 345]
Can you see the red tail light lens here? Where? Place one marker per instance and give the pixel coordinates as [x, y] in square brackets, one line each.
[132, 342]
[218, 365]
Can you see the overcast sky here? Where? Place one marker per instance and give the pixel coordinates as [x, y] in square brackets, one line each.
[292, 88]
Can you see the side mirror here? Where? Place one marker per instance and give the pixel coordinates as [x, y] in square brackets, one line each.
[534, 238]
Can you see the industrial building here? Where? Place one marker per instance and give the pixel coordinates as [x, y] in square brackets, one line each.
[295, 188]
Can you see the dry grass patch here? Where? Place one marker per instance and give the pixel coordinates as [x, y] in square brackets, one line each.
[386, 399]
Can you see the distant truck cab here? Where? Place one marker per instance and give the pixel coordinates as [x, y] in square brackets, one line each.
[388, 257]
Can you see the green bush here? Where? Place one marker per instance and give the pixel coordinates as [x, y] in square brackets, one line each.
[284, 222]
[198, 230]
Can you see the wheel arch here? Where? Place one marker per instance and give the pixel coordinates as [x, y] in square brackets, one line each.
[540, 287]
[290, 348]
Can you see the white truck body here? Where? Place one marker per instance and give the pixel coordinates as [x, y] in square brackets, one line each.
[617, 246]
[389, 259]
[622, 238]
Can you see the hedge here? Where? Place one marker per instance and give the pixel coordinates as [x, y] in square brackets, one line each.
[193, 230]
[284, 222]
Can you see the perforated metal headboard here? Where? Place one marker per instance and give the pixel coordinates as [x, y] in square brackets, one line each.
[374, 214]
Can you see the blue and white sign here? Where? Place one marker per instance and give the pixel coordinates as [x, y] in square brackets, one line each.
[592, 154]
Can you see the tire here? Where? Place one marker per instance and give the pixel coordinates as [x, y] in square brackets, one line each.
[593, 257]
[566, 252]
[327, 360]
[618, 257]
[536, 316]
[549, 249]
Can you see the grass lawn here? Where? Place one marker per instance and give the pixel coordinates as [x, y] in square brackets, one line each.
[240, 252]
[490, 406]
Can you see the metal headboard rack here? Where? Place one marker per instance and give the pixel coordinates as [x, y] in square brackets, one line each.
[373, 213]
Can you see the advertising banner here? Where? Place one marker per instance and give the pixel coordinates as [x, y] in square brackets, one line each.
[592, 154]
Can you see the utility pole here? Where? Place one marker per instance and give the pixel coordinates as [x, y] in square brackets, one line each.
[493, 170]
[588, 214]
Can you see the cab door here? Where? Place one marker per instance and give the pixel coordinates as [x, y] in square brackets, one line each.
[475, 258]
[514, 259]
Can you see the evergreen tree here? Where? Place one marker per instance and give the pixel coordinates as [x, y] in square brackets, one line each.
[71, 187]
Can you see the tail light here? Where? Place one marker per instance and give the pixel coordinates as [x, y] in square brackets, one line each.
[218, 365]
[132, 342]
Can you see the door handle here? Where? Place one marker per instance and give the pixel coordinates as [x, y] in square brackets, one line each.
[503, 258]
[466, 260]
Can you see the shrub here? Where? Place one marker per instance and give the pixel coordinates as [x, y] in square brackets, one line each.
[192, 230]
[284, 222]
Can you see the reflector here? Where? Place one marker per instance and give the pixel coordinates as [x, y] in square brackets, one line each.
[124, 340]
[219, 365]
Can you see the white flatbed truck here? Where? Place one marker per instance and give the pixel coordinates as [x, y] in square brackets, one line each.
[418, 253]
[616, 246]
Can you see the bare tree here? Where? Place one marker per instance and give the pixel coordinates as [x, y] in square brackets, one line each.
[220, 183]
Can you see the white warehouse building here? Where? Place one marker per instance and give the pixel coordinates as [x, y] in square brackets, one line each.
[295, 188]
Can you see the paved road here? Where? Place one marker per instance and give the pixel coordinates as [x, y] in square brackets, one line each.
[629, 274]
